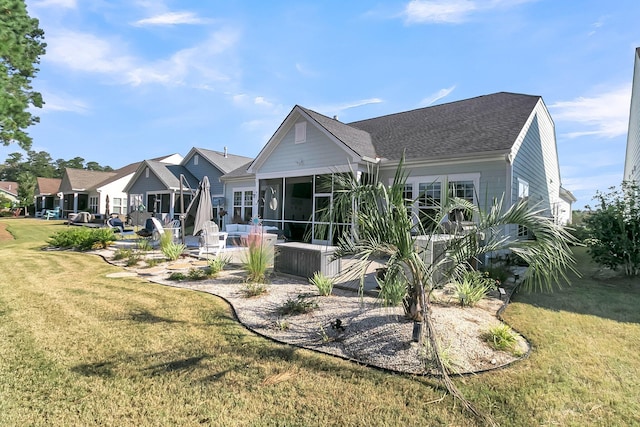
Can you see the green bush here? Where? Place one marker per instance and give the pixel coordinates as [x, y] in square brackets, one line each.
[323, 283]
[502, 337]
[121, 253]
[614, 229]
[216, 265]
[82, 238]
[197, 274]
[251, 290]
[177, 276]
[469, 291]
[258, 260]
[392, 290]
[302, 304]
[134, 259]
[172, 250]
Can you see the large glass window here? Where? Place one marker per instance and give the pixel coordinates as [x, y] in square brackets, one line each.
[158, 203]
[119, 205]
[93, 204]
[242, 206]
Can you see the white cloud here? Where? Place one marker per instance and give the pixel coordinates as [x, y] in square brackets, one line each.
[442, 93]
[171, 18]
[86, 52]
[195, 66]
[451, 11]
[62, 102]
[604, 115]
[438, 11]
[337, 108]
[302, 69]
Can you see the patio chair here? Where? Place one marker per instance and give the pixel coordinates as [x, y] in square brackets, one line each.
[152, 228]
[52, 213]
[118, 226]
[212, 240]
[174, 227]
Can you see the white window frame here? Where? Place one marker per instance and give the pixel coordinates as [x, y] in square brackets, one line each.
[196, 159]
[119, 205]
[523, 189]
[93, 204]
[243, 205]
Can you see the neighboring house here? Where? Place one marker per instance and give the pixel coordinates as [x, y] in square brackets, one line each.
[632, 160]
[485, 148]
[46, 193]
[157, 185]
[87, 191]
[9, 189]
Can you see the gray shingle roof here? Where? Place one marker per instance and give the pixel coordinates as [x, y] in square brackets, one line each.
[356, 139]
[170, 174]
[45, 186]
[482, 124]
[240, 172]
[86, 180]
[225, 164]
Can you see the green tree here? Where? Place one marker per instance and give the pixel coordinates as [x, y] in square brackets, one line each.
[21, 46]
[614, 229]
[386, 228]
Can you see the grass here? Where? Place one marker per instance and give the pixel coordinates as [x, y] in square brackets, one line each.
[79, 348]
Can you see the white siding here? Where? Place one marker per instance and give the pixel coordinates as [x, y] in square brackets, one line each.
[632, 160]
[535, 160]
[318, 151]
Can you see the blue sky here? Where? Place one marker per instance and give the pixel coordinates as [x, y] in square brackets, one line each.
[125, 80]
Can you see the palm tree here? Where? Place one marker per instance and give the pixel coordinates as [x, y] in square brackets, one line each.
[385, 226]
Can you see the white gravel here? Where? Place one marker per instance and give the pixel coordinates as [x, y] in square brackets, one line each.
[370, 333]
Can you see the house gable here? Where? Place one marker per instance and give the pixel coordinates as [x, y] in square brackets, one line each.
[302, 145]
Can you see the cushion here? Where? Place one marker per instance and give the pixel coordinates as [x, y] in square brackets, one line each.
[230, 228]
[244, 228]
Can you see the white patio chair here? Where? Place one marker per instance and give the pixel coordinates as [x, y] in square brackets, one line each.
[212, 240]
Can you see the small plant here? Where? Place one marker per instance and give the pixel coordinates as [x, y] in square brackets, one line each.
[392, 291]
[323, 334]
[144, 245]
[216, 265]
[177, 276]
[169, 248]
[251, 290]
[283, 325]
[258, 260]
[302, 304]
[469, 292]
[121, 253]
[196, 274]
[323, 283]
[499, 273]
[152, 262]
[502, 337]
[134, 259]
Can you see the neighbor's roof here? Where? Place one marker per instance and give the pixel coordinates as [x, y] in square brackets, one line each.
[240, 172]
[46, 186]
[169, 174]
[225, 164]
[9, 187]
[486, 123]
[85, 180]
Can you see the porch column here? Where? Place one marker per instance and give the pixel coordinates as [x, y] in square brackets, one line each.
[75, 202]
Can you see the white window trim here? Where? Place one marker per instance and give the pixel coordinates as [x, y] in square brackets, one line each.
[243, 206]
[415, 182]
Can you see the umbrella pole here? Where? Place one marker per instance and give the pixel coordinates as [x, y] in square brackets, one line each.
[182, 215]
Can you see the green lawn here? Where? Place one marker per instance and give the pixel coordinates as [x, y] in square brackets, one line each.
[78, 348]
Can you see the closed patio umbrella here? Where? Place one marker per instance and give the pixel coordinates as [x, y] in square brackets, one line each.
[106, 207]
[204, 211]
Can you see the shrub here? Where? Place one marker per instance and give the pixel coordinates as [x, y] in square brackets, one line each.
[323, 283]
[302, 304]
[258, 260]
[216, 265]
[82, 238]
[121, 253]
[196, 274]
[496, 273]
[172, 250]
[177, 276]
[251, 290]
[134, 259]
[469, 292]
[502, 337]
[392, 290]
[614, 240]
[144, 245]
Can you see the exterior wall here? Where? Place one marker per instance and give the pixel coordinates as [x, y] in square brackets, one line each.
[230, 188]
[632, 160]
[204, 168]
[115, 191]
[318, 151]
[491, 176]
[536, 163]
